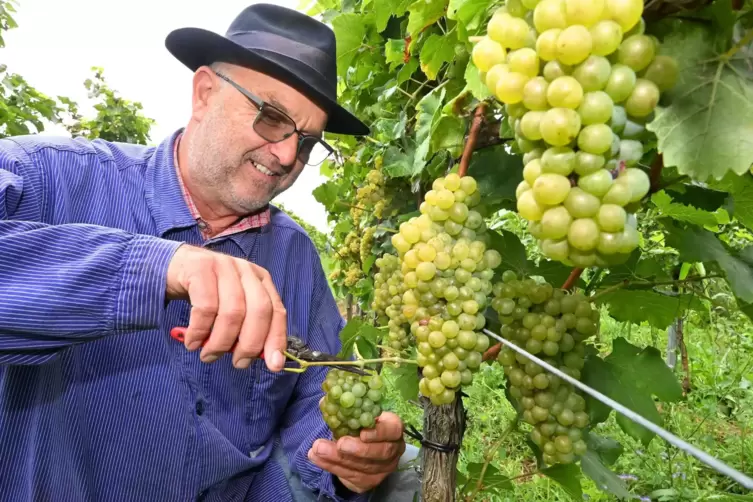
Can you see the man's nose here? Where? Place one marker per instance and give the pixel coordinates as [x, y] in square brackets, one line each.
[286, 150]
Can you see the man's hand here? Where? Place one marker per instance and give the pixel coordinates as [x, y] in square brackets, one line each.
[362, 463]
[231, 299]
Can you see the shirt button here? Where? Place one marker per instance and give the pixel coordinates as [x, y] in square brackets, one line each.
[200, 408]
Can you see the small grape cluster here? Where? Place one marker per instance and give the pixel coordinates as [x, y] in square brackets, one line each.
[350, 253]
[388, 294]
[351, 402]
[580, 80]
[447, 271]
[552, 325]
[367, 242]
[372, 194]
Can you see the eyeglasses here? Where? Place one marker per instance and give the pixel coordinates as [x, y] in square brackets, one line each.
[274, 125]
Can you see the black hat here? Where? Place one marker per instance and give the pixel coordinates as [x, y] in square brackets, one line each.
[283, 43]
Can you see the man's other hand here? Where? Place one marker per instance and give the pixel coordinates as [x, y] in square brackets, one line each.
[361, 464]
[231, 300]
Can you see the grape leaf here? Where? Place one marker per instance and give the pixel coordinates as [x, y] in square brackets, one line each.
[696, 244]
[326, 194]
[637, 266]
[407, 70]
[655, 308]
[436, 51]
[568, 476]
[690, 214]
[707, 199]
[397, 163]
[406, 380]
[428, 111]
[604, 478]
[740, 202]
[349, 31]
[448, 133]
[630, 376]
[493, 482]
[498, 174]
[384, 9]
[607, 449]
[474, 84]
[706, 131]
[468, 12]
[394, 51]
[424, 13]
[357, 332]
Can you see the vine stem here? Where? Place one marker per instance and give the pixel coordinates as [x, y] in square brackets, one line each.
[470, 145]
[742, 43]
[655, 174]
[644, 285]
[361, 362]
[392, 230]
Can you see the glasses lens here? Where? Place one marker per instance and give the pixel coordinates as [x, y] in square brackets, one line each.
[272, 124]
[312, 151]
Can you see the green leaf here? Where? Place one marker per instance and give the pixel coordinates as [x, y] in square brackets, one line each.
[700, 197]
[695, 244]
[427, 114]
[407, 70]
[349, 31]
[631, 377]
[514, 258]
[474, 84]
[740, 202]
[498, 174]
[448, 133]
[383, 9]
[394, 51]
[607, 449]
[424, 13]
[605, 479]
[706, 131]
[348, 336]
[568, 476]
[436, 51]
[493, 482]
[638, 266]
[636, 306]
[397, 163]
[406, 380]
[366, 266]
[326, 194]
[681, 212]
[468, 12]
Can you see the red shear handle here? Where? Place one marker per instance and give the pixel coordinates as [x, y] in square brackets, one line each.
[179, 334]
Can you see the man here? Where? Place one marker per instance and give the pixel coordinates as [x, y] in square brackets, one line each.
[105, 247]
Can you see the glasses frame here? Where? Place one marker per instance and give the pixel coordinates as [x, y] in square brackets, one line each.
[261, 105]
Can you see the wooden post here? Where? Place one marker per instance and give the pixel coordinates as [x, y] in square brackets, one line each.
[444, 425]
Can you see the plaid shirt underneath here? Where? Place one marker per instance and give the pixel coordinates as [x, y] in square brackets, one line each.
[247, 223]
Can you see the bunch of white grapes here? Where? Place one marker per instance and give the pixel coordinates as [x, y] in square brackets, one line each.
[579, 79]
[372, 194]
[388, 301]
[447, 270]
[351, 402]
[552, 325]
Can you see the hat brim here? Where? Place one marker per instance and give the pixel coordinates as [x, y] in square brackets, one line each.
[196, 47]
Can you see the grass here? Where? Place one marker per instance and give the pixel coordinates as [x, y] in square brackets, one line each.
[716, 416]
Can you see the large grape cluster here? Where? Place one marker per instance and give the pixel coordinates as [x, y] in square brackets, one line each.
[447, 271]
[552, 325]
[388, 294]
[351, 402]
[579, 79]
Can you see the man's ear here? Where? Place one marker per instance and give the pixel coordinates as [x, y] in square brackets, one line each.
[205, 87]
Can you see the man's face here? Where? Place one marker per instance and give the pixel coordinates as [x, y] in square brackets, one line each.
[232, 165]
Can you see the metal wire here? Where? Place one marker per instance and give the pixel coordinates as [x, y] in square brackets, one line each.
[704, 457]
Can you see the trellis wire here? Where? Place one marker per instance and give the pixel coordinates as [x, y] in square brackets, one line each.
[704, 457]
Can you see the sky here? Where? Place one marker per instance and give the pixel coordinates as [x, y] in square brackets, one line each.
[57, 42]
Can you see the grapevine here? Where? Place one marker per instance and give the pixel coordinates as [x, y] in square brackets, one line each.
[580, 80]
[552, 324]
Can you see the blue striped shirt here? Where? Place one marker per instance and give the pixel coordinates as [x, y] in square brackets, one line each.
[97, 402]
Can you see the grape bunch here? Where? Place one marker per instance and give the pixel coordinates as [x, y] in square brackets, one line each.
[579, 80]
[351, 402]
[388, 293]
[552, 325]
[367, 242]
[372, 194]
[447, 271]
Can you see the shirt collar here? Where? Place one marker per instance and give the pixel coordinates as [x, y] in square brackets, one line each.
[171, 204]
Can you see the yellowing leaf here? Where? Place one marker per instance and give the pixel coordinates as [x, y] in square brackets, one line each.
[436, 51]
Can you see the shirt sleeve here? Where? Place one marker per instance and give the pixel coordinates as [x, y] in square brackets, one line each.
[303, 423]
[70, 283]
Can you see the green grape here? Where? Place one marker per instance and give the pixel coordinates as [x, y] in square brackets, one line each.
[631, 152]
[555, 69]
[583, 234]
[587, 163]
[564, 92]
[546, 44]
[574, 45]
[487, 53]
[611, 218]
[606, 36]
[510, 86]
[558, 160]
[619, 193]
[593, 73]
[555, 223]
[643, 99]
[626, 13]
[596, 108]
[556, 250]
[530, 125]
[621, 83]
[560, 126]
[637, 180]
[581, 204]
[663, 71]
[636, 52]
[524, 61]
[348, 407]
[491, 78]
[532, 171]
[516, 8]
[595, 138]
[534, 94]
[551, 189]
[549, 14]
[618, 120]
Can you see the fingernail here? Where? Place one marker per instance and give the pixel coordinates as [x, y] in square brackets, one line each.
[243, 363]
[278, 360]
[194, 345]
[369, 434]
[323, 449]
[210, 358]
[348, 446]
